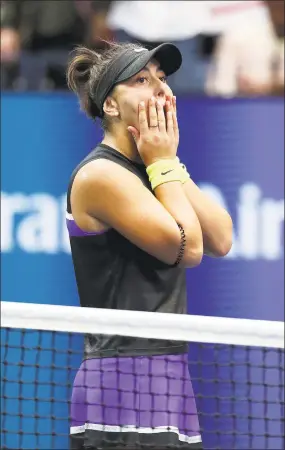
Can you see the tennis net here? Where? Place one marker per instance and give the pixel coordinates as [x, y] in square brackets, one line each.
[236, 368]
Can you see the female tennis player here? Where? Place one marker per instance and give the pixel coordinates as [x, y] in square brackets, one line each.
[136, 220]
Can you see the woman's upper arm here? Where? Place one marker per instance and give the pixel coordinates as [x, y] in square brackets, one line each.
[105, 191]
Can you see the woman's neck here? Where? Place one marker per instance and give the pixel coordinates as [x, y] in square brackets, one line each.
[123, 142]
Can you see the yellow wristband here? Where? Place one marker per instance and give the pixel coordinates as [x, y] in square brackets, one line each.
[163, 171]
[184, 173]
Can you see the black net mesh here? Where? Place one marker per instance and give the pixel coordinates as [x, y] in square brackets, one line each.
[142, 402]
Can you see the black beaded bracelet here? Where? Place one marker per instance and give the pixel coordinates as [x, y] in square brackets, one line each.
[182, 245]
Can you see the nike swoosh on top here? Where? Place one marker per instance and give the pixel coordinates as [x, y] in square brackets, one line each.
[164, 173]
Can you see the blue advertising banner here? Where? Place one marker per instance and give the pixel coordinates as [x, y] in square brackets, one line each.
[234, 150]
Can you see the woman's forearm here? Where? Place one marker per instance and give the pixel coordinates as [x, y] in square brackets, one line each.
[174, 200]
[215, 221]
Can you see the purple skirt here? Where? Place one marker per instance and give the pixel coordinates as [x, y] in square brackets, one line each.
[134, 402]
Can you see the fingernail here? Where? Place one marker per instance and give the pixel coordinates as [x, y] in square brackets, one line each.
[142, 104]
[153, 99]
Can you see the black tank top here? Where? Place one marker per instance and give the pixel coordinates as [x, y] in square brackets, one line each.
[113, 273]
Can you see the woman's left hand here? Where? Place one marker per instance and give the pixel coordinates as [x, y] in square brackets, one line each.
[172, 101]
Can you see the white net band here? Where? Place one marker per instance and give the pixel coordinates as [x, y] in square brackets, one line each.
[213, 330]
[61, 388]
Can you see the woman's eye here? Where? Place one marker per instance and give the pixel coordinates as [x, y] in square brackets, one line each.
[141, 80]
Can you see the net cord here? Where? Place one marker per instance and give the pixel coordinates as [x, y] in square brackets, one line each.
[188, 328]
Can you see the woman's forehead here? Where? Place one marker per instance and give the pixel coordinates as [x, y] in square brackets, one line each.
[152, 65]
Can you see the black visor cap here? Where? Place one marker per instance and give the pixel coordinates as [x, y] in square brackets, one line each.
[132, 62]
[167, 55]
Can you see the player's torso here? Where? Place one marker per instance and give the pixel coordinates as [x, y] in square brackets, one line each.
[113, 273]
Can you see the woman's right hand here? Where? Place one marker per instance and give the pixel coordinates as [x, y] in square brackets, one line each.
[155, 139]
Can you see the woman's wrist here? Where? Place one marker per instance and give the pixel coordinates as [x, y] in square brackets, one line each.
[166, 170]
[163, 171]
[185, 176]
